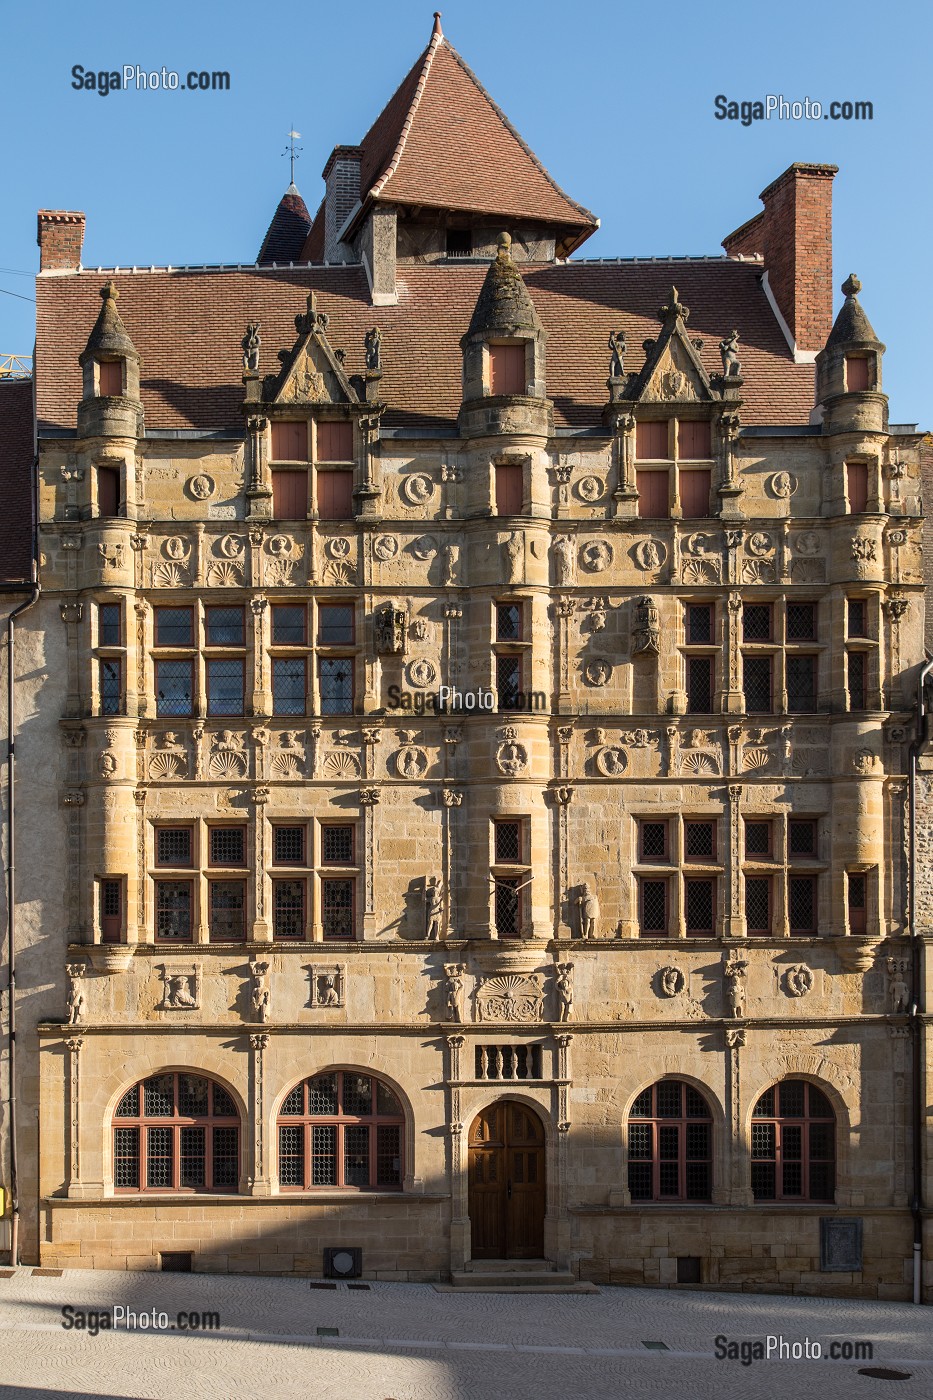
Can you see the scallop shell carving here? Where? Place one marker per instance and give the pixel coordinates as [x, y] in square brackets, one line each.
[228, 765]
[170, 576]
[167, 765]
[286, 765]
[700, 571]
[755, 759]
[341, 764]
[698, 763]
[280, 571]
[225, 574]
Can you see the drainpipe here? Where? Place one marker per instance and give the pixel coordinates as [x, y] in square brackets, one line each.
[916, 1204]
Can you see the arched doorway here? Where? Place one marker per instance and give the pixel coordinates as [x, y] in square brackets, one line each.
[506, 1182]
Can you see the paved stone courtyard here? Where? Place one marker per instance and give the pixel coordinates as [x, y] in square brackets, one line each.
[411, 1342]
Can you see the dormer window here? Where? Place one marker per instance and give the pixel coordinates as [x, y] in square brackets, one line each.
[109, 378]
[507, 369]
[459, 243]
[858, 373]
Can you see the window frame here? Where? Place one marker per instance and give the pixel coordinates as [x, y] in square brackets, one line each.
[656, 1122]
[780, 1122]
[175, 1123]
[340, 1120]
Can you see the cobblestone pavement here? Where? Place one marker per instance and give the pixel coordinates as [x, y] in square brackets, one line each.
[399, 1341]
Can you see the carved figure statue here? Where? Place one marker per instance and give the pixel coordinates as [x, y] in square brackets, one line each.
[330, 996]
[898, 988]
[735, 971]
[451, 556]
[179, 992]
[260, 992]
[563, 986]
[589, 912]
[433, 907]
[454, 990]
[672, 981]
[729, 349]
[76, 1003]
[646, 635]
[616, 354]
[390, 630]
[251, 344]
[514, 549]
[563, 558]
[373, 349]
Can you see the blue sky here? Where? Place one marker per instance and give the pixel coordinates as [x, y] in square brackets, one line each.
[617, 99]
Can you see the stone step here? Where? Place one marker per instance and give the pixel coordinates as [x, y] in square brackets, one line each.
[541, 1279]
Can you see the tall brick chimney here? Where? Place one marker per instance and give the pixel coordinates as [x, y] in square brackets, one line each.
[794, 235]
[341, 196]
[60, 237]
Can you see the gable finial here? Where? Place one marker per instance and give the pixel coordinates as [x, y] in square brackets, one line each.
[504, 247]
[109, 292]
[851, 286]
[437, 32]
[293, 152]
[674, 307]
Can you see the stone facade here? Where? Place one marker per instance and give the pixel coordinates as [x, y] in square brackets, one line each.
[678, 854]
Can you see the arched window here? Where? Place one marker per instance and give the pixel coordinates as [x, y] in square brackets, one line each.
[793, 1144]
[176, 1132]
[341, 1129]
[670, 1144]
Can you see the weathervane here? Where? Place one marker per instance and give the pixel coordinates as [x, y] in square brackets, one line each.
[293, 151]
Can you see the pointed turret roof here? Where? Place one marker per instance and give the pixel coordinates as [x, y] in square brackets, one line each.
[287, 232]
[442, 142]
[109, 336]
[503, 307]
[852, 326]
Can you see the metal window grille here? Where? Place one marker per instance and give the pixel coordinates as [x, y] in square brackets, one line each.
[173, 909]
[508, 908]
[111, 686]
[387, 1104]
[508, 842]
[758, 903]
[128, 1107]
[700, 840]
[858, 674]
[111, 910]
[801, 683]
[756, 675]
[857, 618]
[225, 1158]
[653, 840]
[192, 1096]
[224, 627]
[173, 845]
[509, 681]
[335, 625]
[801, 902]
[668, 1099]
[159, 1157]
[294, 1102]
[225, 687]
[288, 845]
[291, 1156]
[288, 685]
[801, 622]
[508, 622]
[228, 845]
[173, 689]
[322, 1094]
[858, 902]
[757, 838]
[337, 908]
[288, 909]
[336, 685]
[223, 1104]
[126, 1158]
[108, 625]
[288, 625]
[388, 1154]
[507, 1061]
[159, 1096]
[670, 1149]
[654, 907]
[323, 1155]
[699, 685]
[756, 622]
[801, 837]
[192, 1154]
[174, 627]
[699, 627]
[694, 1103]
[700, 901]
[356, 1154]
[641, 1108]
[337, 845]
[357, 1096]
[793, 1144]
[228, 908]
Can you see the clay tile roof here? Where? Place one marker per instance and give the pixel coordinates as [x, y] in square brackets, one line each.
[441, 141]
[287, 232]
[188, 324]
[17, 455]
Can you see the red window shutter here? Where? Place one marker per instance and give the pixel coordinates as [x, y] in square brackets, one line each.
[111, 911]
[289, 442]
[857, 486]
[857, 373]
[334, 442]
[651, 442]
[290, 495]
[507, 369]
[509, 489]
[694, 494]
[335, 495]
[108, 490]
[653, 500]
[110, 377]
[693, 441]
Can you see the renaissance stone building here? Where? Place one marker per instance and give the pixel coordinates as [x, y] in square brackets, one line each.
[610, 980]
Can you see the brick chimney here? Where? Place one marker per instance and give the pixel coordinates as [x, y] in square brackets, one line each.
[794, 235]
[60, 237]
[342, 195]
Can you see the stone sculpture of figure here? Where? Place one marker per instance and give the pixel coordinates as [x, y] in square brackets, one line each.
[897, 986]
[454, 990]
[563, 986]
[330, 996]
[179, 993]
[616, 354]
[563, 558]
[75, 1003]
[260, 995]
[451, 556]
[729, 349]
[647, 632]
[390, 630]
[514, 556]
[373, 349]
[735, 986]
[433, 907]
[251, 343]
[589, 912]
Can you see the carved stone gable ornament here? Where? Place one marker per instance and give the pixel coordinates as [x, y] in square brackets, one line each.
[511, 997]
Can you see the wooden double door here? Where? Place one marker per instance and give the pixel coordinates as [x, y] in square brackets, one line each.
[506, 1183]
